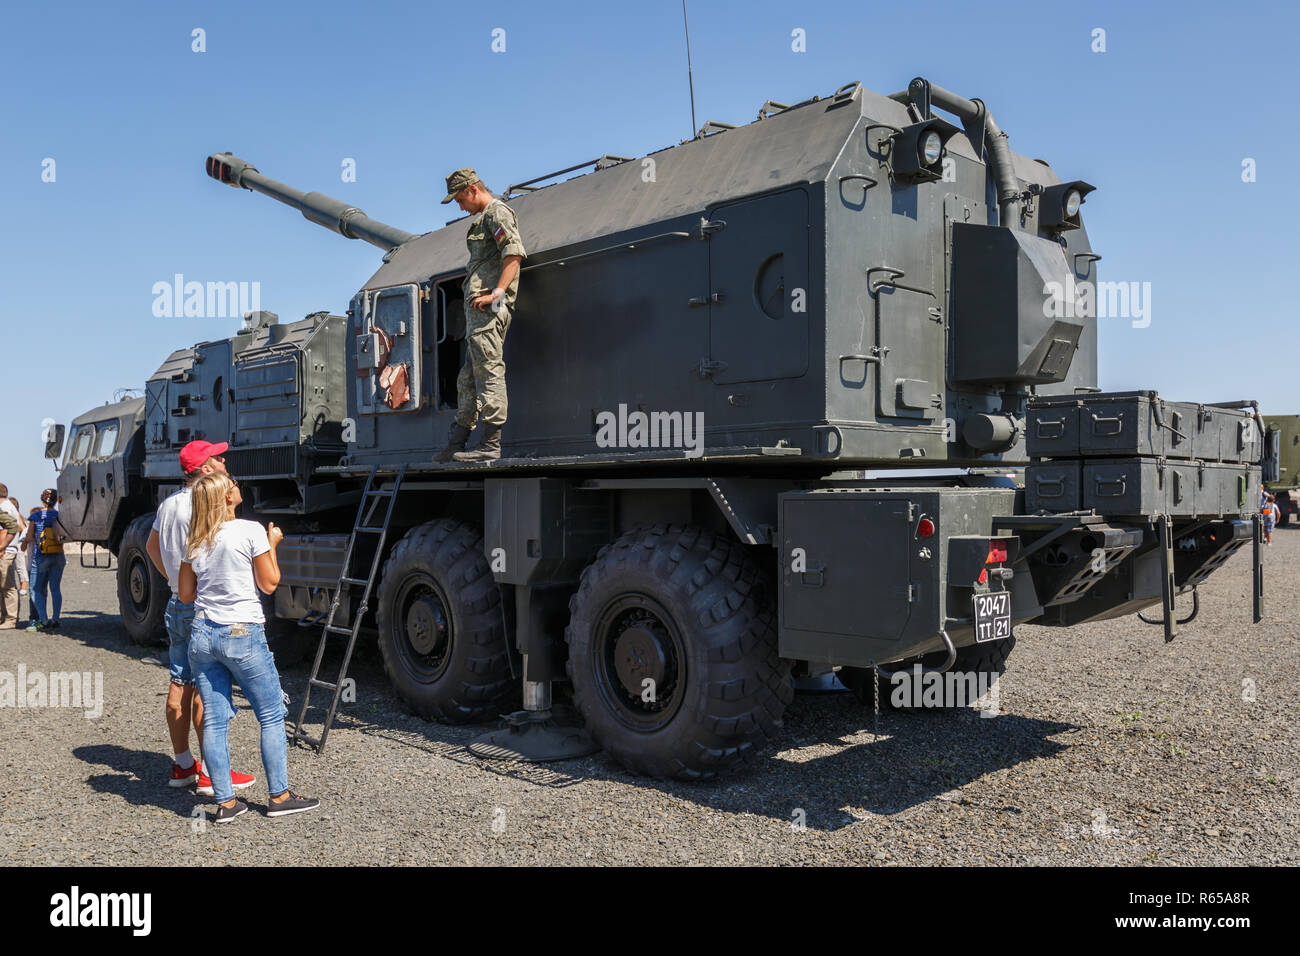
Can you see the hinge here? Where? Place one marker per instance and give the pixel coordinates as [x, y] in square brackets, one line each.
[708, 367]
[709, 226]
[700, 300]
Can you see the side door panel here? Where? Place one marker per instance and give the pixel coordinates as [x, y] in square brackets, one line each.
[101, 481]
[73, 482]
[759, 288]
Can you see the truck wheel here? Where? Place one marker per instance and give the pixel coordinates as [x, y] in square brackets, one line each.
[673, 653]
[142, 593]
[1285, 518]
[986, 661]
[441, 631]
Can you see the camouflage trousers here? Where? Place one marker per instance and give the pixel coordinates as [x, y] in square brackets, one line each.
[481, 385]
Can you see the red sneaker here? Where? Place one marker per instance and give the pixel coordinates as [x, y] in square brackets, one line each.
[183, 777]
[237, 780]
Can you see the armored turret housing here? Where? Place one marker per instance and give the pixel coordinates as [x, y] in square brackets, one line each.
[274, 392]
[832, 283]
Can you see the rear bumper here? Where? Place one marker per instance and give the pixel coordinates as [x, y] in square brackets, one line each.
[861, 582]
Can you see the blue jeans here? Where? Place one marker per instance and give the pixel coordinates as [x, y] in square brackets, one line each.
[47, 572]
[180, 619]
[218, 654]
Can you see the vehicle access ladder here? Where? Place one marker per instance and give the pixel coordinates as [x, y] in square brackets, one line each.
[372, 503]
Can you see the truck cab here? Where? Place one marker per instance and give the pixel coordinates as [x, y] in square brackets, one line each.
[100, 471]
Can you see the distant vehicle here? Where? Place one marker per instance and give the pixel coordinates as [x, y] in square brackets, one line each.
[1282, 471]
[713, 344]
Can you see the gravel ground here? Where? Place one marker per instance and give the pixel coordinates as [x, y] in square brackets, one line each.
[1111, 748]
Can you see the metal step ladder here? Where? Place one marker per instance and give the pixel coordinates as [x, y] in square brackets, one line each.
[371, 498]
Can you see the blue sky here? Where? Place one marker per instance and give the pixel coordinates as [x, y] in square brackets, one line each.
[114, 94]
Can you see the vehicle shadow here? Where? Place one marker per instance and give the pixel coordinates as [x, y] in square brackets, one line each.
[827, 769]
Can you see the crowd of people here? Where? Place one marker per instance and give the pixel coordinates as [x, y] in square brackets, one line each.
[215, 564]
[32, 562]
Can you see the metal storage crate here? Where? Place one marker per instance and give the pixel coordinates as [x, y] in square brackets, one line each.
[1141, 486]
[1054, 486]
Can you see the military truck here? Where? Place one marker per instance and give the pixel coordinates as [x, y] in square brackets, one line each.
[767, 385]
[1282, 468]
[274, 392]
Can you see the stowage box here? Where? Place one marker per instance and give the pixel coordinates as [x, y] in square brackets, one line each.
[1228, 489]
[1142, 486]
[1216, 434]
[1118, 423]
[1139, 423]
[1054, 486]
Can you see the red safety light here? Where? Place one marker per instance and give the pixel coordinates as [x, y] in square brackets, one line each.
[997, 552]
[925, 528]
[984, 575]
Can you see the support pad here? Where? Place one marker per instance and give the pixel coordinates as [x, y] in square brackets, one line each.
[533, 737]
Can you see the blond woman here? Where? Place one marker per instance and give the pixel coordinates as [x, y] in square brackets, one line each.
[227, 560]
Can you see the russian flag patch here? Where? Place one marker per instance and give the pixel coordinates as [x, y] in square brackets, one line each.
[499, 234]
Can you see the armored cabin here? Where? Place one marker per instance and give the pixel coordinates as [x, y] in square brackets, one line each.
[816, 284]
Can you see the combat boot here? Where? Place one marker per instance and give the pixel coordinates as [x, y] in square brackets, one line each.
[455, 441]
[488, 449]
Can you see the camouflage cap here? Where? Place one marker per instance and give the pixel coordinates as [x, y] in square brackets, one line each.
[460, 179]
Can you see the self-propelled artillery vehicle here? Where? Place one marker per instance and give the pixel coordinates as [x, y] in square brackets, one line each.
[766, 387]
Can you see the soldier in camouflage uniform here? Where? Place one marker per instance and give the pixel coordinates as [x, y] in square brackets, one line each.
[491, 282]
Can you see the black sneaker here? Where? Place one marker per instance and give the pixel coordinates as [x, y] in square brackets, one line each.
[51, 625]
[293, 804]
[226, 814]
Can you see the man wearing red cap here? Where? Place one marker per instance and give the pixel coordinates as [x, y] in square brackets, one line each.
[166, 547]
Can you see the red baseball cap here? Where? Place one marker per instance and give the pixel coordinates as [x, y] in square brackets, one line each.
[196, 453]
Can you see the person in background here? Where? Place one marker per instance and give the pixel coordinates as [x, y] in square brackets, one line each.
[24, 559]
[10, 528]
[1270, 512]
[166, 548]
[227, 560]
[46, 534]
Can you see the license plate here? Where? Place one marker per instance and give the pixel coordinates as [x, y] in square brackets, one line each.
[992, 616]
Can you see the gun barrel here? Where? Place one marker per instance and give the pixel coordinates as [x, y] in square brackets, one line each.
[333, 214]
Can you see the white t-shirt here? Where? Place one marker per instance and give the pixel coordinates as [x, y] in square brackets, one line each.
[227, 592]
[8, 508]
[172, 522]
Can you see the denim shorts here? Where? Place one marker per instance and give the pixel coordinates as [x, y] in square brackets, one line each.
[180, 619]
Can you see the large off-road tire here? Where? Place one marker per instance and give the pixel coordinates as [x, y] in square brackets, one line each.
[1284, 518]
[142, 593]
[441, 631]
[988, 659]
[692, 612]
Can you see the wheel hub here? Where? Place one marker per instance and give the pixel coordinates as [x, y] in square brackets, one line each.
[640, 662]
[641, 654]
[426, 625]
[138, 583]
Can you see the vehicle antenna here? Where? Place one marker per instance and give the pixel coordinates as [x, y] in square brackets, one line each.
[690, 78]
